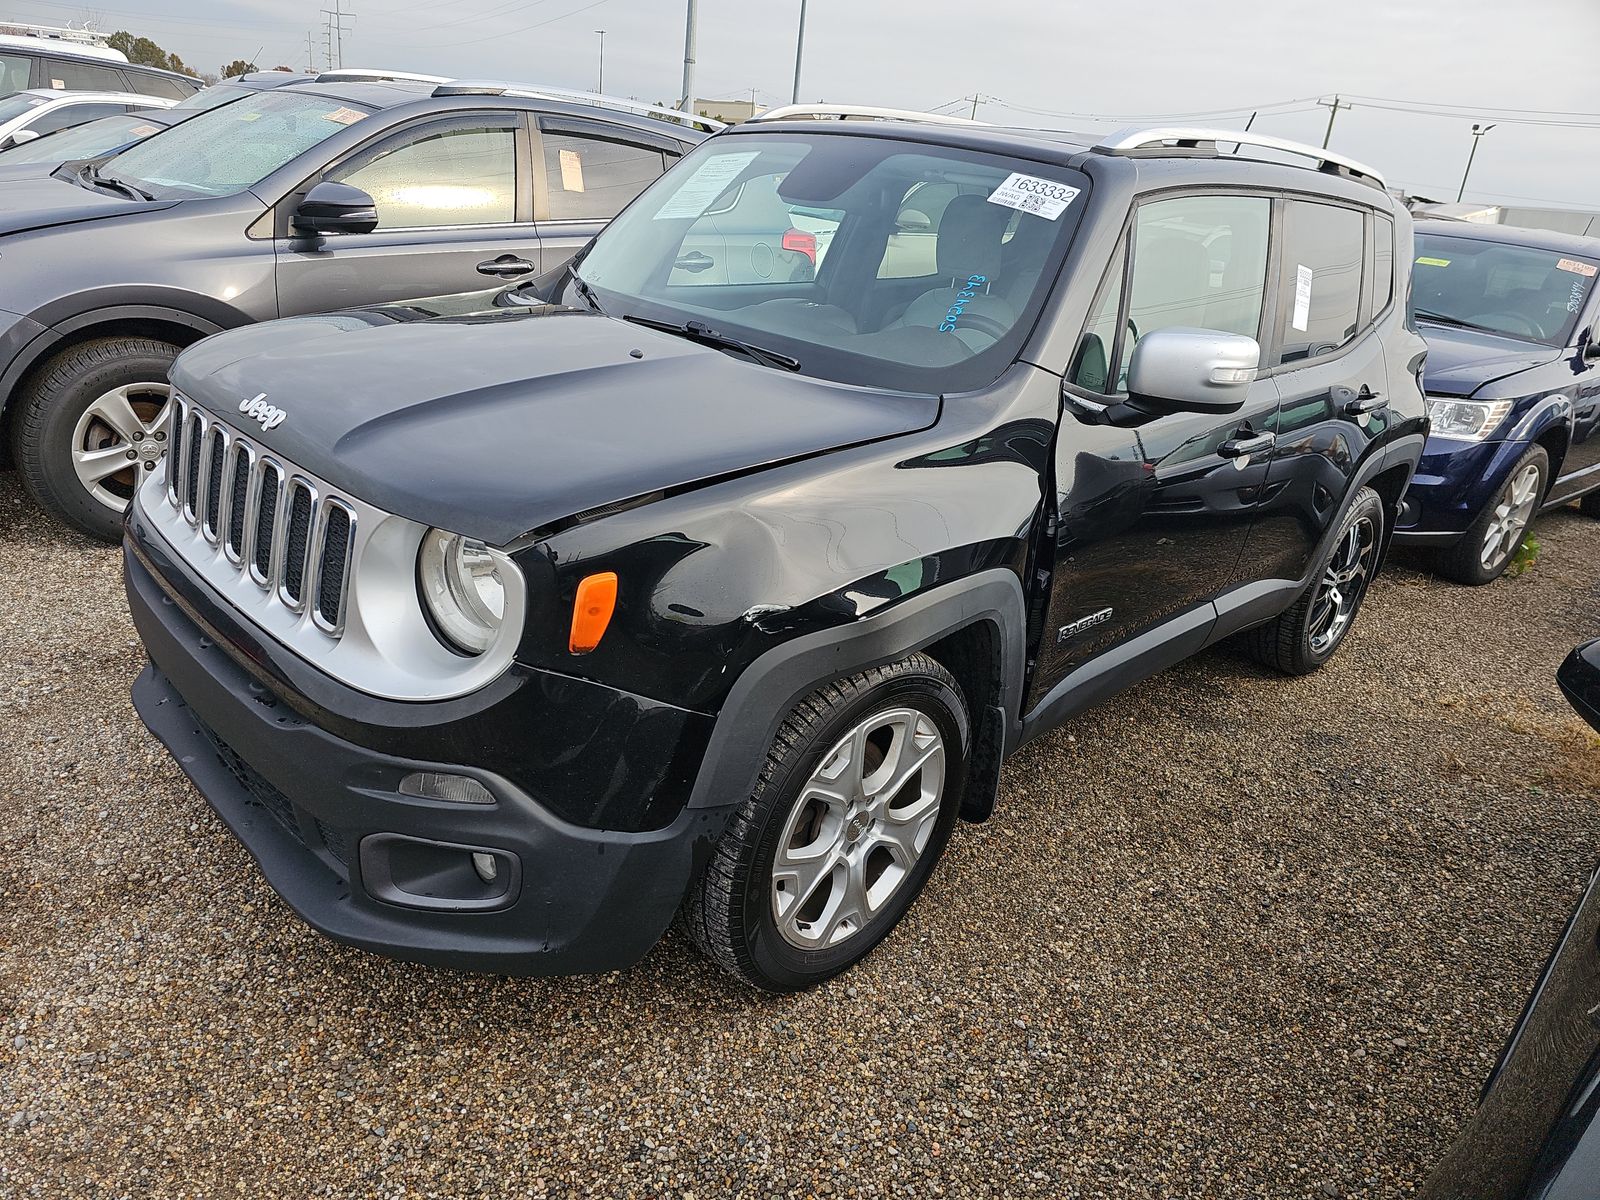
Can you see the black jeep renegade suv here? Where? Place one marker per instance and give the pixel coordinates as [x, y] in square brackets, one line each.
[501, 637]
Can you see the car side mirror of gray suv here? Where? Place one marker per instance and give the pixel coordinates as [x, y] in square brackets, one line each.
[335, 208]
[1199, 370]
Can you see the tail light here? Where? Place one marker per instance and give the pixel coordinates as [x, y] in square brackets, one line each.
[801, 242]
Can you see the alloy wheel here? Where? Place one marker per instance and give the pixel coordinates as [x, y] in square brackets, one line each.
[1513, 510]
[858, 827]
[1343, 582]
[120, 436]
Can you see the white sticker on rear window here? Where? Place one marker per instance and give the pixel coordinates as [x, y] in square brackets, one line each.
[1302, 297]
[697, 193]
[1030, 194]
[1587, 270]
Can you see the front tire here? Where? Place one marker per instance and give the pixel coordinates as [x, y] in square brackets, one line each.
[852, 810]
[90, 425]
[1300, 640]
[1490, 543]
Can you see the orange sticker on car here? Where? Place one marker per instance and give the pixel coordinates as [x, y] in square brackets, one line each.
[1587, 270]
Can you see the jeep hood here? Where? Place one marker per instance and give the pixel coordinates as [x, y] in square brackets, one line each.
[35, 201]
[1460, 361]
[497, 424]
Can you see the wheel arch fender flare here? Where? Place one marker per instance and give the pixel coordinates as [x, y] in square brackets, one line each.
[66, 319]
[1549, 423]
[774, 683]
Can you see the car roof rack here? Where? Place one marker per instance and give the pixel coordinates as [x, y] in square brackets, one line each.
[490, 87]
[857, 112]
[374, 75]
[55, 33]
[1155, 138]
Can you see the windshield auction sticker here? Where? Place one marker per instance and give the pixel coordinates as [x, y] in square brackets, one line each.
[1030, 194]
[697, 193]
[1587, 270]
[343, 116]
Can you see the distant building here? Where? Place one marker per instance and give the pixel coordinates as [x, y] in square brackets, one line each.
[729, 112]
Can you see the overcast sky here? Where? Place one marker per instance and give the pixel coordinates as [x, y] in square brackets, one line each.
[1120, 58]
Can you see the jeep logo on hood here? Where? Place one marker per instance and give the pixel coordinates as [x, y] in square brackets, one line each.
[269, 415]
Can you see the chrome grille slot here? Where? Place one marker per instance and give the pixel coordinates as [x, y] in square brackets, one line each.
[299, 514]
[177, 421]
[333, 565]
[269, 492]
[193, 435]
[216, 462]
[268, 520]
[241, 474]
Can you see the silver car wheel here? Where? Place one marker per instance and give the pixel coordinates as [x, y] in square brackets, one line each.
[857, 828]
[1343, 581]
[120, 436]
[1513, 511]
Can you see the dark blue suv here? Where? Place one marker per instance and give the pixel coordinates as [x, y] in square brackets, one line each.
[1513, 380]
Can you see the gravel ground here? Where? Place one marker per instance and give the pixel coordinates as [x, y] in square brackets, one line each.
[1227, 936]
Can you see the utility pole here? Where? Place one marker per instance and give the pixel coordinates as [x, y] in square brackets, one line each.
[336, 16]
[601, 85]
[1477, 132]
[687, 104]
[311, 58]
[799, 53]
[1333, 108]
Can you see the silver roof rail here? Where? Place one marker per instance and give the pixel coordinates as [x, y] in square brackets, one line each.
[362, 74]
[1133, 139]
[490, 87]
[845, 112]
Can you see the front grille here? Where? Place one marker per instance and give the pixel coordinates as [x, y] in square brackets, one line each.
[269, 519]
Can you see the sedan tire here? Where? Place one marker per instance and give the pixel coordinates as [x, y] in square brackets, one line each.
[1491, 541]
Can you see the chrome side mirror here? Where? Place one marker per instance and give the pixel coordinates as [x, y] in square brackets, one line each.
[1201, 370]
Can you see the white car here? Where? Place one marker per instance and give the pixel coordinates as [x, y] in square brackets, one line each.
[38, 111]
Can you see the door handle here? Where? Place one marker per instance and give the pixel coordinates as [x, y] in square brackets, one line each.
[507, 266]
[695, 262]
[1250, 443]
[1357, 404]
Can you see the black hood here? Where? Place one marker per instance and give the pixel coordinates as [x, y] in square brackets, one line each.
[495, 425]
[1460, 361]
[29, 201]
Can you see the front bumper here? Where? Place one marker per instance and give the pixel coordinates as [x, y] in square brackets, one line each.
[1454, 480]
[322, 817]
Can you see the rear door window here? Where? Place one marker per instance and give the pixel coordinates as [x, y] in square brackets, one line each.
[594, 178]
[1319, 279]
[66, 75]
[157, 85]
[65, 116]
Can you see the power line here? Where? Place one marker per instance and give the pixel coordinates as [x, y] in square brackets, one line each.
[494, 37]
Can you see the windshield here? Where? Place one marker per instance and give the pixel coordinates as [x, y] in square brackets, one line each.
[1522, 292]
[13, 107]
[217, 93]
[83, 141]
[228, 149]
[869, 260]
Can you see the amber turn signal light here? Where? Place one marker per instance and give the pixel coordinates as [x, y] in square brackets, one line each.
[591, 611]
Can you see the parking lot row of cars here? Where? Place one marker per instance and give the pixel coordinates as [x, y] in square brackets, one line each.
[789, 479]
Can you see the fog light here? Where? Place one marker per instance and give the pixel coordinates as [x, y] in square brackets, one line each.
[486, 865]
[457, 789]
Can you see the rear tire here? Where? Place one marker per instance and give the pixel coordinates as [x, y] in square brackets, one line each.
[1300, 640]
[81, 416]
[1490, 542]
[851, 812]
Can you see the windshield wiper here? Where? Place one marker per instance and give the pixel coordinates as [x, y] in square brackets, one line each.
[1456, 322]
[581, 286]
[92, 174]
[699, 331]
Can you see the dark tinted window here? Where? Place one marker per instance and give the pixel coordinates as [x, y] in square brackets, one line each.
[14, 72]
[65, 116]
[594, 178]
[157, 85]
[1319, 279]
[65, 75]
[1382, 262]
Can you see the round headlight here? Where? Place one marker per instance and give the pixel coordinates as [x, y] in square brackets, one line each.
[463, 583]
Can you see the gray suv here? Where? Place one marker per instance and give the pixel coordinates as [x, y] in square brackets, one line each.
[295, 200]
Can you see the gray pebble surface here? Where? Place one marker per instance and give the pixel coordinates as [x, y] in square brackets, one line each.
[1228, 935]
